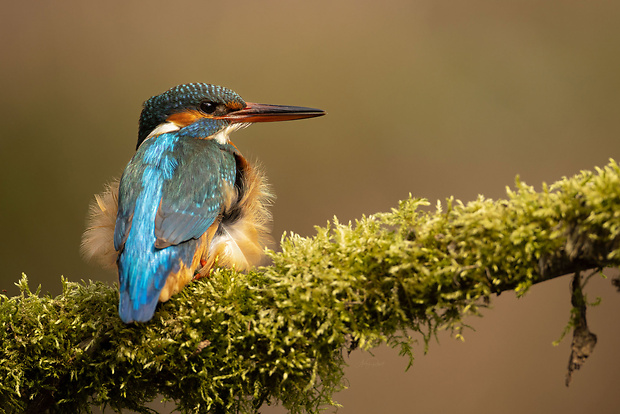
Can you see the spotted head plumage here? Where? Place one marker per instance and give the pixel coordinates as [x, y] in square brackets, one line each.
[185, 104]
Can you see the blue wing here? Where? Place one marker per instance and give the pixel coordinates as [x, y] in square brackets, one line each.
[192, 199]
[171, 192]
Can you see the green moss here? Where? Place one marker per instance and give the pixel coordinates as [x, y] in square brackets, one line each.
[233, 342]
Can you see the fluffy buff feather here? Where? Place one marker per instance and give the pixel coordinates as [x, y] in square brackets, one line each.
[98, 239]
[240, 243]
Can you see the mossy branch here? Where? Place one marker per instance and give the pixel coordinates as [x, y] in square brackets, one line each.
[233, 342]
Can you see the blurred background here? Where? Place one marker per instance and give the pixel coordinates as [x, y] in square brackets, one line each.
[432, 97]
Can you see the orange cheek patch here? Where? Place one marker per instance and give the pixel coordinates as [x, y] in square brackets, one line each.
[185, 118]
[235, 106]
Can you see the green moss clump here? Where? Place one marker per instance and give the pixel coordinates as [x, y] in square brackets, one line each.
[232, 342]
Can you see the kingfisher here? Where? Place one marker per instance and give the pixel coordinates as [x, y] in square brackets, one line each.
[187, 199]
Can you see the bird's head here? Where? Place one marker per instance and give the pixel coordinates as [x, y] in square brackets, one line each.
[209, 111]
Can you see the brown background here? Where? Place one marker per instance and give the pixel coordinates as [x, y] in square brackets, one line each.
[436, 98]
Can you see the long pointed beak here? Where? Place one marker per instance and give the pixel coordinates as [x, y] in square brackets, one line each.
[255, 112]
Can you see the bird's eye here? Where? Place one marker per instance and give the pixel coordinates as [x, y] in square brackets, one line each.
[208, 107]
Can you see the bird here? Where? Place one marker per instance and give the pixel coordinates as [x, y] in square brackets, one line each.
[187, 200]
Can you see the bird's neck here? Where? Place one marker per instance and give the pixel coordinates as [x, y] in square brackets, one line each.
[200, 130]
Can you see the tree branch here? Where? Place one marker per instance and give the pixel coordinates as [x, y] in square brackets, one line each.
[234, 341]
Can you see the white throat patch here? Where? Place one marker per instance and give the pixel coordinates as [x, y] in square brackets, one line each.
[223, 136]
[163, 129]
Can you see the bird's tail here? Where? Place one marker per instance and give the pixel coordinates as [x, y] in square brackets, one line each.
[148, 278]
